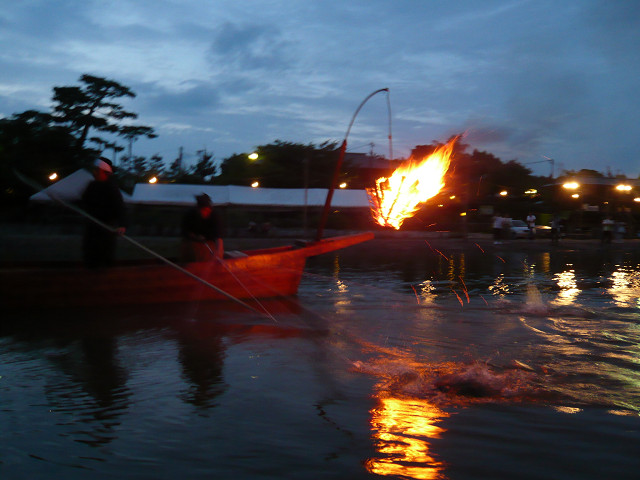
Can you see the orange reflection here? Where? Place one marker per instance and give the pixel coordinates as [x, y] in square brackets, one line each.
[402, 428]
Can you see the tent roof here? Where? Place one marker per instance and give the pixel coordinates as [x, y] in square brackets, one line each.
[178, 194]
[69, 188]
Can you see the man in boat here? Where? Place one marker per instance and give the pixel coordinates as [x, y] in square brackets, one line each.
[102, 200]
[201, 232]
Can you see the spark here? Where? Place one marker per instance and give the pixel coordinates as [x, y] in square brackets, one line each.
[442, 254]
[465, 288]
[416, 294]
[459, 299]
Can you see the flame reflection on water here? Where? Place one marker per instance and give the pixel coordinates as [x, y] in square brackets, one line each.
[402, 428]
[576, 353]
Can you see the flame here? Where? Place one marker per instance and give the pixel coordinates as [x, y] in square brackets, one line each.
[398, 197]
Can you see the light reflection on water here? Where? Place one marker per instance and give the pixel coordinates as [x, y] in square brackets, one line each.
[569, 290]
[429, 360]
[538, 329]
[625, 284]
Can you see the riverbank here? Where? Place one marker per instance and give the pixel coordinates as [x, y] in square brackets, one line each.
[37, 246]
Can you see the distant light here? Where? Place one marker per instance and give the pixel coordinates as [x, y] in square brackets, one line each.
[153, 180]
[575, 195]
[531, 191]
[440, 205]
[452, 197]
[623, 188]
[255, 184]
[343, 185]
[253, 156]
[504, 193]
[463, 214]
[637, 199]
[53, 176]
[571, 185]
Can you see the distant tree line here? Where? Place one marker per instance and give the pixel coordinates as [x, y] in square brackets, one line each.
[87, 121]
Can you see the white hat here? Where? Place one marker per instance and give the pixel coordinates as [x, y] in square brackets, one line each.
[103, 164]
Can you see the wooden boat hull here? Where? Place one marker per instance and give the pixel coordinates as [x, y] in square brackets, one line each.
[264, 273]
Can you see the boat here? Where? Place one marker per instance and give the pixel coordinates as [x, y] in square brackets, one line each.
[250, 274]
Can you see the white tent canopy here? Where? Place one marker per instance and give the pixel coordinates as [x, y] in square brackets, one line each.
[68, 189]
[177, 194]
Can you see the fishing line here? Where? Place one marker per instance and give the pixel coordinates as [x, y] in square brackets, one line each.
[226, 267]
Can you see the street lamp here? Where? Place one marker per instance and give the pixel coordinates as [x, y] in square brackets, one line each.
[571, 185]
[253, 156]
[255, 184]
[53, 176]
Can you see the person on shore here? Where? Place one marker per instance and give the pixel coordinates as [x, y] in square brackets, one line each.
[620, 231]
[531, 223]
[497, 228]
[102, 200]
[607, 229]
[556, 225]
[506, 228]
[201, 232]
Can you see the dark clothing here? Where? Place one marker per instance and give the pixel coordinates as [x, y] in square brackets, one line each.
[199, 236]
[195, 227]
[103, 201]
[556, 225]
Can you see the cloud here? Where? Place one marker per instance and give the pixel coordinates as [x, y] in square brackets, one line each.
[523, 78]
[249, 47]
[197, 98]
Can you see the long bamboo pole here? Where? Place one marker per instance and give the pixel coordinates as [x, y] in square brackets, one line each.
[336, 172]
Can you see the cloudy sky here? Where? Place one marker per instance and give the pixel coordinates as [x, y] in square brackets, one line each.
[524, 79]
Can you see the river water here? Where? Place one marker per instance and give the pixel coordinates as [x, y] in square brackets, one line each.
[399, 359]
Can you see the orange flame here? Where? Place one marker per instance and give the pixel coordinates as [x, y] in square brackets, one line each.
[398, 197]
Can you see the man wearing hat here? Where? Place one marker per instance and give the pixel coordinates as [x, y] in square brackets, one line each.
[102, 200]
[201, 232]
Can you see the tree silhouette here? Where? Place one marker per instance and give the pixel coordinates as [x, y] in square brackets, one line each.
[92, 106]
[205, 166]
[282, 165]
[132, 132]
[31, 145]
